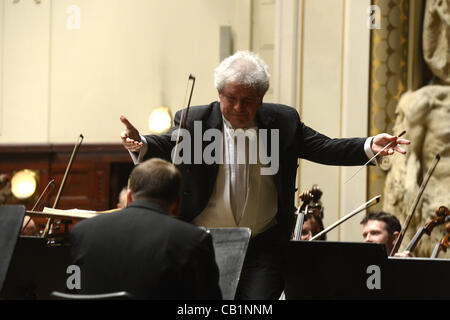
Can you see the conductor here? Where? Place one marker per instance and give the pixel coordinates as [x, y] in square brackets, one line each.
[228, 193]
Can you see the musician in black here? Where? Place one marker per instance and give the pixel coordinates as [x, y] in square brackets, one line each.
[142, 249]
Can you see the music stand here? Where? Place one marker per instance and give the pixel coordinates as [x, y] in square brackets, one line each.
[230, 247]
[419, 278]
[339, 270]
[36, 270]
[11, 218]
[331, 270]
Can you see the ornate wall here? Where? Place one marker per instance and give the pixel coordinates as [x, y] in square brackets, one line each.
[388, 79]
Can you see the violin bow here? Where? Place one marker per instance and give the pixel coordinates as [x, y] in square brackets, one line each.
[371, 159]
[363, 207]
[51, 183]
[183, 119]
[414, 206]
[61, 187]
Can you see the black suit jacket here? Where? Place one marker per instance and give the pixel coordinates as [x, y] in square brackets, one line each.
[295, 141]
[142, 250]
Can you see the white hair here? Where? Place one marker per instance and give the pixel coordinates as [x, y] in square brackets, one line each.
[243, 67]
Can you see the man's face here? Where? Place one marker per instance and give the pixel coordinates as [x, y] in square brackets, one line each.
[376, 231]
[239, 104]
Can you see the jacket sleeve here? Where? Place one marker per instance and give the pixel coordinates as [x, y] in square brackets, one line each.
[317, 147]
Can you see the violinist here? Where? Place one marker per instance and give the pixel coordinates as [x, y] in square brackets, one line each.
[229, 193]
[383, 227]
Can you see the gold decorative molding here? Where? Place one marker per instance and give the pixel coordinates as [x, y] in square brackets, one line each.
[388, 75]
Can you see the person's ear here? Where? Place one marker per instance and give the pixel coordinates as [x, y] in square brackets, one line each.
[395, 237]
[176, 207]
[129, 197]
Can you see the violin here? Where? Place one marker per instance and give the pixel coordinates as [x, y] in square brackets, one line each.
[444, 243]
[442, 216]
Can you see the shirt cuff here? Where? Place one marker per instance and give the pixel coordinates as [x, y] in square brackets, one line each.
[369, 152]
[137, 157]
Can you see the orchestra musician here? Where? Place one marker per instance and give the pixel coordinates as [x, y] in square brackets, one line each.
[312, 225]
[122, 199]
[142, 249]
[383, 227]
[224, 194]
[313, 212]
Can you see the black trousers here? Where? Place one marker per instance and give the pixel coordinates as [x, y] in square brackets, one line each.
[262, 273]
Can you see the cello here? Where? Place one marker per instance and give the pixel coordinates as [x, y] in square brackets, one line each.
[311, 206]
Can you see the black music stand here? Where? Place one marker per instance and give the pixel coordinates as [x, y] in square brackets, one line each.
[36, 270]
[230, 247]
[11, 218]
[419, 278]
[339, 270]
[332, 270]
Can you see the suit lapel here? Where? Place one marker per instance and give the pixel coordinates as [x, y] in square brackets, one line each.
[215, 118]
[209, 172]
[264, 118]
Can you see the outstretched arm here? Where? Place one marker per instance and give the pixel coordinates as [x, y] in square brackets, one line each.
[131, 139]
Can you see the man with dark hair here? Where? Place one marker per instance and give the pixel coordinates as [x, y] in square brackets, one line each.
[141, 249]
[383, 227]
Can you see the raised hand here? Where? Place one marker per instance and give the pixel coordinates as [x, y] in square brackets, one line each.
[381, 140]
[131, 139]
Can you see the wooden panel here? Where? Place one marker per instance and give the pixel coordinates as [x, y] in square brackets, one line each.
[23, 157]
[95, 179]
